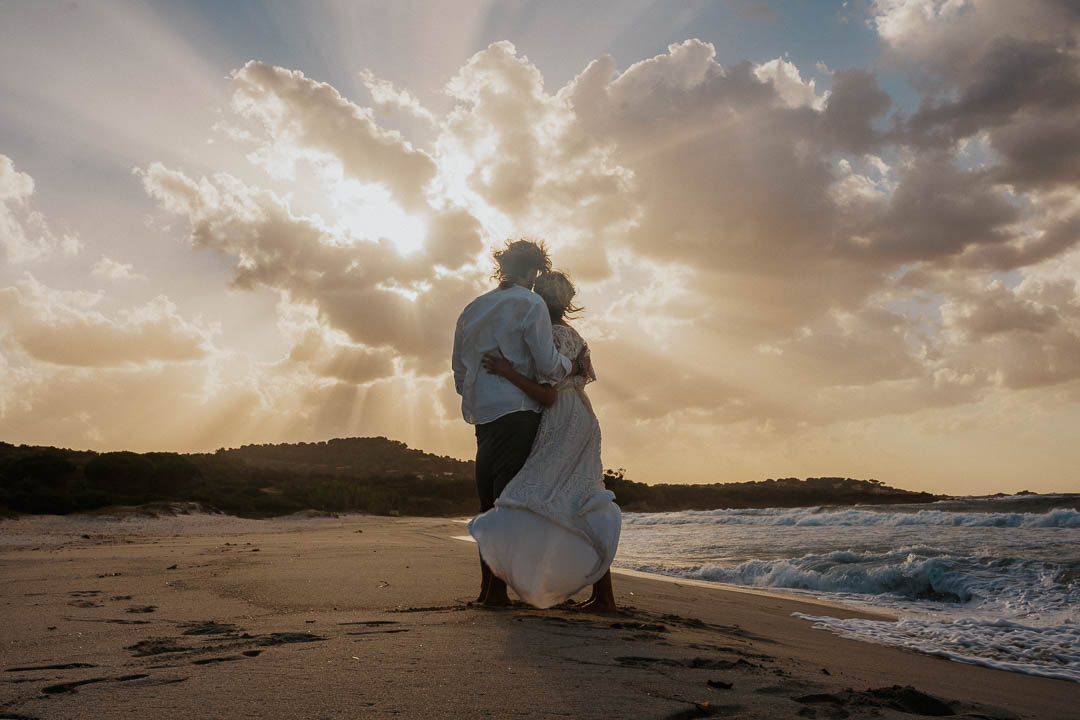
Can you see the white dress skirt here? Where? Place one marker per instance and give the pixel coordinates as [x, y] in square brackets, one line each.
[555, 527]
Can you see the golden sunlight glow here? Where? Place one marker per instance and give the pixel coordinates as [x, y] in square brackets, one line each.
[367, 212]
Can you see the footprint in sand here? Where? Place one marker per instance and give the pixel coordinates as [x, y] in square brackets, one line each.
[85, 604]
[905, 699]
[70, 686]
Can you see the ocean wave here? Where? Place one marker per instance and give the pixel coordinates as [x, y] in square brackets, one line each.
[906, 575]
[816, 516]
[926, 576]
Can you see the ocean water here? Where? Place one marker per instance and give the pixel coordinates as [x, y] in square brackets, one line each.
[991, 581]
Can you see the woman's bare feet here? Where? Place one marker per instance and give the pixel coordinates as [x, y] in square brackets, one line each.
[598, 606]
[602, 598]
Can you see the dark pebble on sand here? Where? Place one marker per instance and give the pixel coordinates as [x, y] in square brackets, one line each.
[720, 684]
[825, 671]
[171, 567]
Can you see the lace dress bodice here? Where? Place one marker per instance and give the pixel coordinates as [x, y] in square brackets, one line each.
[569, 343]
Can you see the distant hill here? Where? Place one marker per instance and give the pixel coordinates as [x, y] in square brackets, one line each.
[350, 456]
[784, 492]
[373, 475]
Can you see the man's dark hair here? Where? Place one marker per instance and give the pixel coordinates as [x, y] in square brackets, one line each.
[518, 257]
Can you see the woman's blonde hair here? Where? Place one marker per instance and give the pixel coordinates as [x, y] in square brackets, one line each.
[558, 293]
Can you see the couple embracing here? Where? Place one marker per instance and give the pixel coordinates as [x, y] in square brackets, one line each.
[547, 526]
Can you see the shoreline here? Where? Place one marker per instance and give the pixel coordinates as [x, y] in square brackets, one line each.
[875, 613]
[366, 615]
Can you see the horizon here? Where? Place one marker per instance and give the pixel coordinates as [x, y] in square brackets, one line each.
[808, 236]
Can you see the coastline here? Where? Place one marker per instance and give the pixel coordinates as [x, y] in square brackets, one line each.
[366, 615]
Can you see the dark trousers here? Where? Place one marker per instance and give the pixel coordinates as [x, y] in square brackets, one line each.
[502, 446]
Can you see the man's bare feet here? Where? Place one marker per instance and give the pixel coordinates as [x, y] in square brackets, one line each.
[602, 598]
[496, 594]
[485, 582]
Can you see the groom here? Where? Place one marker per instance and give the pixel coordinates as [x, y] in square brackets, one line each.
[510, 319]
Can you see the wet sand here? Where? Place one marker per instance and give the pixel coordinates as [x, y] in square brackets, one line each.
[358, 616]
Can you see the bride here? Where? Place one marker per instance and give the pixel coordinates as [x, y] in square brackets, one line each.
[555, 528]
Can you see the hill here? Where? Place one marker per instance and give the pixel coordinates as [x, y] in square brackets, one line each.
[373, 475]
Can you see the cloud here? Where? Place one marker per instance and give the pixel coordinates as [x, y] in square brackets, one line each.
[1009, 70]
[65, 328]
[25, 235]
[938, 211]
[853, 103]
[389, 99]
[313, 116]
[367, 290]
[1025, 337]
[789, 85]
[112, 270]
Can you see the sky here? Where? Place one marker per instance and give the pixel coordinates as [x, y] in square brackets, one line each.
[811, 238]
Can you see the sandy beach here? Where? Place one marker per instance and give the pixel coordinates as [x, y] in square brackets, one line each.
[361, 616]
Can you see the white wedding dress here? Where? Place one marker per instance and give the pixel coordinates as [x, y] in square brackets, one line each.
[555, 528]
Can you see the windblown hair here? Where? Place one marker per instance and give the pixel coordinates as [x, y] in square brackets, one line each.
[518, 257]
[558, 293]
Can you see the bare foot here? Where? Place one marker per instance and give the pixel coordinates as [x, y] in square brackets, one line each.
[485, 582]
[496, 594]
[602, 598]
[599, 606]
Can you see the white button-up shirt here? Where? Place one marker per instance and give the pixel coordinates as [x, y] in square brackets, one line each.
[516, 322]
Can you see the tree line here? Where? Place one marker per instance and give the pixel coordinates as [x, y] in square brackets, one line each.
[366, 475]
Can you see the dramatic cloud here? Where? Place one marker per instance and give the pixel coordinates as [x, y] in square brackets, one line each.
[781, 269]
[313, 116]
[724, 190]
[1011, 70]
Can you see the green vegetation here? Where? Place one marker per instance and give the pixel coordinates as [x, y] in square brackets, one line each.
[785, 492]
[370, 475]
